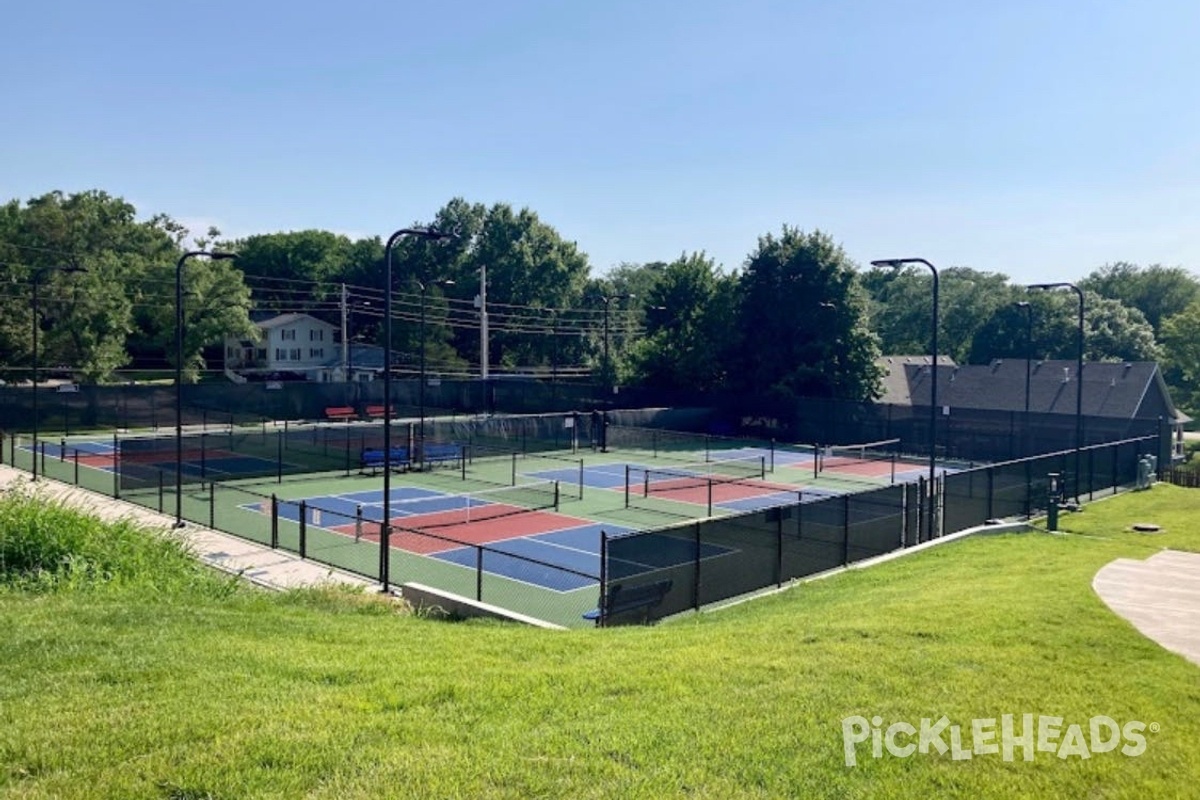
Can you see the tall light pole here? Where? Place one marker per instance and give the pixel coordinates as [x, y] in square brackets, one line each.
[1078, 371]
[37, 280]
[900, 263]
[386, 526]
[214, 256]
[607, 299]
[1024, 304]
[421, 389]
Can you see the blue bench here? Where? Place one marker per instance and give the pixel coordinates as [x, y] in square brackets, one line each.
[443, 453]
[372, 459]
[622, 599]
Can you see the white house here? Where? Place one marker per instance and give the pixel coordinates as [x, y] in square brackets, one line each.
[295, 343]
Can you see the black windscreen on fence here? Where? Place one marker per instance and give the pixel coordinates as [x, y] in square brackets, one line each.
[691, 565]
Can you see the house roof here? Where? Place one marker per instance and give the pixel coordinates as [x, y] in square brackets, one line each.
[273, 319]
[898, 378]
[1110, 389]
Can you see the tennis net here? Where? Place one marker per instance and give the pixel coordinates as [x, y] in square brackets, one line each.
[836, 457]
[486, 504]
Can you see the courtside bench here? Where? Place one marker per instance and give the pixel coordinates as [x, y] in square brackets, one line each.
[622, 599]
[376, 412]
[372, 459]
[340, 413]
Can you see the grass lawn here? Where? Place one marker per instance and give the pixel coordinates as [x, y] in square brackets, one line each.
[159, 680]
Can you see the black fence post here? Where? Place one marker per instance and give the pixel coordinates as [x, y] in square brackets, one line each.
[581, 479]
[116, 457]
[1091, 473]
[1116, 461]
[696, 586]
[603, 576]
[62, 449]
[160, 491]
[479, 573]
[212, 504]
[274, 522]
[303, 528]
[779, 548]
[203, 455]
[42, 448]
[75, 455]
[278, 458]
[627, 476]
[922, 501]
[846, 529]
[991, 486]
[514, 469]
[1, 447]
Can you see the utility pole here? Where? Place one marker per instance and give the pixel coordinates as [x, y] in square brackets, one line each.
[483, 323]
[346, 378]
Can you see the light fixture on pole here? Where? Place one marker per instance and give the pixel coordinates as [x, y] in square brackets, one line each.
[432, 234]
[1078, 371]
[900, 263]
[214, 256]
[37, 280]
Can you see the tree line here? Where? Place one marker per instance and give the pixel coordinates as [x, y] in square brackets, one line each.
[797, 318]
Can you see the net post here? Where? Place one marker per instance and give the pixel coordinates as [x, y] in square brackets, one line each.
[303, 528]
[645, 483]
[893, 468]
[772, 454]
[816, 461]
[62, 450]
[358, 521]
[581, 479]
[627, 486]
[514, 469]
[75, 455]
[707, 457]
[479, 573]
[710, 494]
[203, 455]
[212, 504]
[274, 522]
[556, 486]
[762, 467]
[463, 454]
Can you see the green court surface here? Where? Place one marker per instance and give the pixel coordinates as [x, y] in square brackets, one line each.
[539, 561]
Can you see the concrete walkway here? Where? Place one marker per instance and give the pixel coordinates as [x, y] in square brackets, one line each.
[1160, 596]
[273, 569]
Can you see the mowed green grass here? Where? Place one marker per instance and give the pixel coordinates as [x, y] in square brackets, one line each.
[178, 684]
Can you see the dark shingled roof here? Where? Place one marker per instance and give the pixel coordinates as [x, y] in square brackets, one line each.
[1110, 389]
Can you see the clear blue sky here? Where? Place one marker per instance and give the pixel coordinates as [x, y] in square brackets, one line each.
[1039, 139]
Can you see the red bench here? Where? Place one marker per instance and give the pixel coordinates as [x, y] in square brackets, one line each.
[344, 413]
[377, 411]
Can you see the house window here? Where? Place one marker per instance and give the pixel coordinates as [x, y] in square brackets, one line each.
[295, 354]
[288, 334]
[316, 352]
[280, 354]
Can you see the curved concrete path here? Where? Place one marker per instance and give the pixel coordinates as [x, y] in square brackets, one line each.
[1160, 596]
